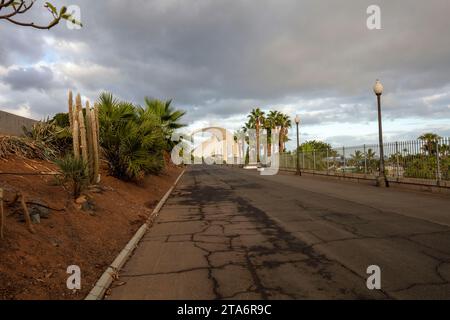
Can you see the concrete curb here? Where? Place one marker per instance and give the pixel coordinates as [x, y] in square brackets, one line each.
[105, 281]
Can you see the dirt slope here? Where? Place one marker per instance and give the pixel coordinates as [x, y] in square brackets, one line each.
[33, 266]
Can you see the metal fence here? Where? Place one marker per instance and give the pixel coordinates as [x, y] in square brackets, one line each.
[404, 159]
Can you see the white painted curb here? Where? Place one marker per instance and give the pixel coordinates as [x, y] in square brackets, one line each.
[102, 285]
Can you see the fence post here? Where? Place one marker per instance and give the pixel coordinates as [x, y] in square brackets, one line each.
[303, 159]
[398, 160]
[438, 163]
[365, 160]
[345, 161]
[314, 160]
[328, 161]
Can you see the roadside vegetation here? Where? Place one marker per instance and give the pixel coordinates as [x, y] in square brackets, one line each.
[417, 159]
[132, 140]
[259, 120]
[57, 193]
[410, 159]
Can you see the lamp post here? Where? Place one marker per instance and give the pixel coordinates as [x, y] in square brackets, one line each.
[297, 122]
[382, 179]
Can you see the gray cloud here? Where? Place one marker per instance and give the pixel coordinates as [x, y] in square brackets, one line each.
[29, 78]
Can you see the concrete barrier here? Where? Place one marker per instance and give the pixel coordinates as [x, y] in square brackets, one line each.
[12, 125]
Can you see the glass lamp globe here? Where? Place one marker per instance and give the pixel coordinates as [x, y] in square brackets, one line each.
[378, 88]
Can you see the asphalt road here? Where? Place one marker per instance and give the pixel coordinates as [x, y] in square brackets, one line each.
[228, 233]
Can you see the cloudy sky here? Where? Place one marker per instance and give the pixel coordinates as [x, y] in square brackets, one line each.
[220, 58]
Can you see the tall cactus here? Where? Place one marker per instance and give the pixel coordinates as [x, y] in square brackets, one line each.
[95, 139]
[84, 147]
[71, 110]
[78, 105]
[96, 110]
[76, 140]
[90, 142]
[85, 132]
[76, 129]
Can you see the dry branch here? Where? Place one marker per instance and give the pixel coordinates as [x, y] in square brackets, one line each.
[26, 213]
[24, 148]
[71, 110]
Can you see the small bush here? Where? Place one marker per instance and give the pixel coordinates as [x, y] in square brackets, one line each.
[74, 172]
[132, 142]
[62, 120]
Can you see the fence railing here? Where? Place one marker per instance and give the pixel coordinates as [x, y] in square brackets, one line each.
[419, 159]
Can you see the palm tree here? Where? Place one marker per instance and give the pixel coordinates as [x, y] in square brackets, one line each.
[237, 136]
[370, 156]
[256, 120]
[131, 141]
[357, 158]
[283, 123]
[270, 124]
[167, 115]
[247, 126]
[430, 140]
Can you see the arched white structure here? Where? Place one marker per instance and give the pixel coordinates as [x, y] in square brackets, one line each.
[221, 145]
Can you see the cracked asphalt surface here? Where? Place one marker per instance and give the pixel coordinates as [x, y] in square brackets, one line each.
[228, 233]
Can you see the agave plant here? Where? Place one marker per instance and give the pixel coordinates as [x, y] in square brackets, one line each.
[51, 135]
[74, 171]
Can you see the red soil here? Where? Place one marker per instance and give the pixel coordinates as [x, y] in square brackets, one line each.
[33, 266]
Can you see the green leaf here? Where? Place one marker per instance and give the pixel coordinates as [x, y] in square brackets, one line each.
[69, 18]
[51, 7]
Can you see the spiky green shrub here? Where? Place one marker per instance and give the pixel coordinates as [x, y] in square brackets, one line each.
[132, 142]
[50, 134]
[74, 172]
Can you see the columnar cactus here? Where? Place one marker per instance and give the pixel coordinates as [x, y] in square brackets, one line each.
[85, 132]
[79, 106]
[71, 110]
[90, 142]
[76, 139]
[95, 145]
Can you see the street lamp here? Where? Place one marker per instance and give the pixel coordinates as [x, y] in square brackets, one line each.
[378, 90]
[297, 122]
